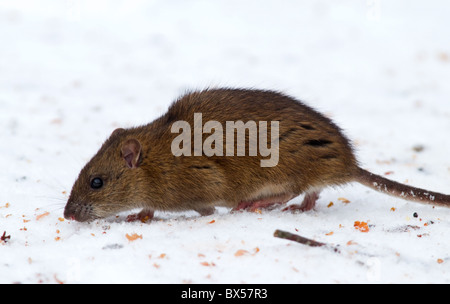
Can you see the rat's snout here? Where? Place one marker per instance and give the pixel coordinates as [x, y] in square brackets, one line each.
[80, 212]
[69, 213]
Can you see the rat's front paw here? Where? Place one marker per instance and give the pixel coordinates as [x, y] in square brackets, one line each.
[143, 216]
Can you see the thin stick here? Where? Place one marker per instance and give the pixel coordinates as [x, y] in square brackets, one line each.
[302, 240]
[4, 237]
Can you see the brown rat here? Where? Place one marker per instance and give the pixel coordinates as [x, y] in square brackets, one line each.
[136, 167]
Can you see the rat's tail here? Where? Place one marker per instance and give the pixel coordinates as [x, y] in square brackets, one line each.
[396, 189]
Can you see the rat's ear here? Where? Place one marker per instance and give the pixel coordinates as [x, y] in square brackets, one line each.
[131, 151]
[117, 131]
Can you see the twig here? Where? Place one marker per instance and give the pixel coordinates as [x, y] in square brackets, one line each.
[302, 240]
[4, 238]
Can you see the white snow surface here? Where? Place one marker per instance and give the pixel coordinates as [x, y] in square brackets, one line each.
[72, 71]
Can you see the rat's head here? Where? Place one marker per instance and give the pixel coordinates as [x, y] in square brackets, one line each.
[106, 185]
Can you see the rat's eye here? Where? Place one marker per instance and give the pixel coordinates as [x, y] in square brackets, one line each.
[96, 183]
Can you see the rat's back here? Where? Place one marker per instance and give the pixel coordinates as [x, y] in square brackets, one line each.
[312, 151]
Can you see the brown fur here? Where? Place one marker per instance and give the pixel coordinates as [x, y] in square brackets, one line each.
[313, 154]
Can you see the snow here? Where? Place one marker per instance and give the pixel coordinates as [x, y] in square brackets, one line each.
[72, 71]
